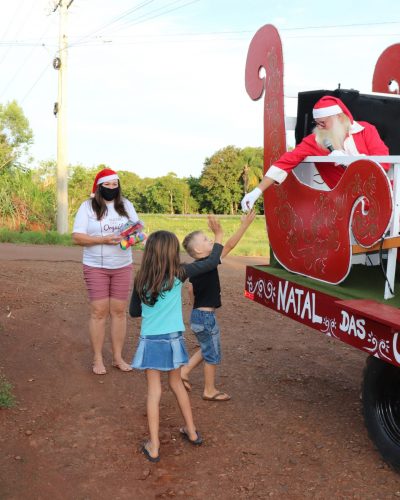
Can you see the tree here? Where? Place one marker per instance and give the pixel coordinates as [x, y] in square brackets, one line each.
[132, 188]
[15, 135]
[168, 194]
[222, 180]
[252, 160]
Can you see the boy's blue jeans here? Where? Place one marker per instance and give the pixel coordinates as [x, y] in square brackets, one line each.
[204, 325]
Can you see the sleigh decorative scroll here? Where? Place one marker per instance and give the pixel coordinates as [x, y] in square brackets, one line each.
[314, 232]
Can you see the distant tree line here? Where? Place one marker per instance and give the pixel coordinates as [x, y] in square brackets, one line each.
[28, 193]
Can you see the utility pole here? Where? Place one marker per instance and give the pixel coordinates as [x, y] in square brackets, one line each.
[60, 110]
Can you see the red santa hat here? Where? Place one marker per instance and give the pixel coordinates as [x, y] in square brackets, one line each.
[104, 175]
[329, 106]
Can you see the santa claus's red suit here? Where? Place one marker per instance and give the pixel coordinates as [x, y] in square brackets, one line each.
[363, 138]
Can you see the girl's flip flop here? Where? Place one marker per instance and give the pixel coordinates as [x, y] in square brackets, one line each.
[187, 385]
[197, 442]
[146, 453]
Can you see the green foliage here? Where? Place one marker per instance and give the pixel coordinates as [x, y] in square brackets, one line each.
[25, 203]
[252, 161]
[28, 197]
[15, 135]
[7, 399]
[80, 183]
[226, 176]
[221, 178]
[168, 194]
[132, 188]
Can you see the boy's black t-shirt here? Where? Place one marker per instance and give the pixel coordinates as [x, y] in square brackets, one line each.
[206, 289]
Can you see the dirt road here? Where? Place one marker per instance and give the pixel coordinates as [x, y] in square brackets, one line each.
[293, 428]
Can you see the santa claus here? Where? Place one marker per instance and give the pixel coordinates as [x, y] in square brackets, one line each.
[336, 134]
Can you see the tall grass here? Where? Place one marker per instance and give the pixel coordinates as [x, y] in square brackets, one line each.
[253, 243]
[25, 204]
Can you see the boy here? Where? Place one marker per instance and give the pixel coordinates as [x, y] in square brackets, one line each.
[205, 295]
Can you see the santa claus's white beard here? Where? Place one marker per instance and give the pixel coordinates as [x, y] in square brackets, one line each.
[335, 135]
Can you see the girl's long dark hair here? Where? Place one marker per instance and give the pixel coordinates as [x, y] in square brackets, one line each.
[160, 266]
[100, 207]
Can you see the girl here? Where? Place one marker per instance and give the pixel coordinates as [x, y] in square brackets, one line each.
[157, 298]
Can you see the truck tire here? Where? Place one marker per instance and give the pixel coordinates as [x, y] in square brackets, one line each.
[381, 408]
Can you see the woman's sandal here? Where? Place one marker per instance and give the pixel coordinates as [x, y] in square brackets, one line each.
[97, 371]
[197, 442]
[126, 368]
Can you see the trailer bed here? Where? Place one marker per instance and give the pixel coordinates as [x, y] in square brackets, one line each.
[354, 311]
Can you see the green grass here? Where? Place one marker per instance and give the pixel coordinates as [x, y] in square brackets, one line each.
[253, 243]
[7, 399]
[35, 237]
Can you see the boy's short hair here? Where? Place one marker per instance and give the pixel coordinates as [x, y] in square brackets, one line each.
[188, 242]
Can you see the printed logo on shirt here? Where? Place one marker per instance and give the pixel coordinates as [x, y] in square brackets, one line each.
[113, 225]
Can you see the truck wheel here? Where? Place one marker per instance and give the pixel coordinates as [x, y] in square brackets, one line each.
[381, 408]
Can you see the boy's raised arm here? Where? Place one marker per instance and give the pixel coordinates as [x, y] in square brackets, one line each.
[247, 219]
[216, 228]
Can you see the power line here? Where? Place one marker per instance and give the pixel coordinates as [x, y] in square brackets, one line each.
[139, 19]
[352, 25]
[18, 30]
[27, 58]
[162, 13]
[34, 42]
[98, 43]
[36, 82]
[350, 35]
[116, 19]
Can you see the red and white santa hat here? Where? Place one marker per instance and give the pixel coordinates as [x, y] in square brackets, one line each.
[104, 175]
[329, 106]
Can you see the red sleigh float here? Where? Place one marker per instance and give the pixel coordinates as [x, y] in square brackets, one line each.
[319, 237]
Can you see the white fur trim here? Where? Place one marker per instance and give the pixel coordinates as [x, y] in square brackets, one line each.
[349, 145]
[107, 178]
[328, 111]
[356, 127]
[276, 174]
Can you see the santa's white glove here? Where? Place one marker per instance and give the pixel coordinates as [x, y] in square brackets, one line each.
[250, 198]
[339, 152]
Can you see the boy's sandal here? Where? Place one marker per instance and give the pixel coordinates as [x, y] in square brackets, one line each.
[197, 442]
[217, 397]
[187, 385]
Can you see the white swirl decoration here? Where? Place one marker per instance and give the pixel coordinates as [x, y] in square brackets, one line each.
[262, 289]
[329, 327]
[379, 348]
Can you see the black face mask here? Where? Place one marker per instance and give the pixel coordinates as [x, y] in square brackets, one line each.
[109, 194]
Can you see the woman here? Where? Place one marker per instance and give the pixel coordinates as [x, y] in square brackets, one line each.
[107, 269]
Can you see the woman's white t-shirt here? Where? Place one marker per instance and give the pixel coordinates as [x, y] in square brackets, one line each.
[107, 256]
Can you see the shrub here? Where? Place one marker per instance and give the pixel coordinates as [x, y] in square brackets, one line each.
[7, 399]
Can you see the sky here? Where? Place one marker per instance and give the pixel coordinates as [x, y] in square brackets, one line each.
[157, 86]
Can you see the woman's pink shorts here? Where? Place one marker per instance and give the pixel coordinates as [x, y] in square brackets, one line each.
[108, 283]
